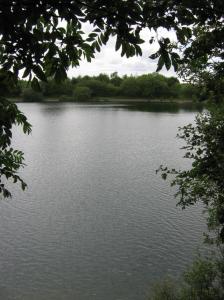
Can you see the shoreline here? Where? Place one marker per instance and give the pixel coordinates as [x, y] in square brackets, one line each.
[110, 100]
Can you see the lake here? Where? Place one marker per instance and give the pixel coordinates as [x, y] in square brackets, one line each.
[96, 221]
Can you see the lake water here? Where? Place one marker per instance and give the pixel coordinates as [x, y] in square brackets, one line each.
[96, 222]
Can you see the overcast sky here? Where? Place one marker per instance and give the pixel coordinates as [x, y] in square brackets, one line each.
[109, 61]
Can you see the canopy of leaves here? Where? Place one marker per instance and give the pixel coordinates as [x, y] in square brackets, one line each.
[82, 93]
[34, 38]
[147, 86]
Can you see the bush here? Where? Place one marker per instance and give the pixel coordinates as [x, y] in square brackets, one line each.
[30, 95]
[130, 87]
[99, 88]
[153, 86]
[202, 281]
[82, 93]
[54, 89]
[189, 91]
[164, 290]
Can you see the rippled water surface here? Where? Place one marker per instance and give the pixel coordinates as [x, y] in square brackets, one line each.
[96, 222]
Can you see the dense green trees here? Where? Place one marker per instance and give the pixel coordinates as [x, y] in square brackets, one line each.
[51, 88]
[99, 88]
[149, 86]
[82, 93]
[154, 86]
[130, 88]
[30, 95]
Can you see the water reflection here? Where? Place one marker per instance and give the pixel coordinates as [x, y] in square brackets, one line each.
[57, 108]
[166, 107]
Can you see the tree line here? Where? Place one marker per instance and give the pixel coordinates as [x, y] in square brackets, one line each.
[149, 86]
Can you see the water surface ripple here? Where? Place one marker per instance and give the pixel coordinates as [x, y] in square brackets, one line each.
[96, 221]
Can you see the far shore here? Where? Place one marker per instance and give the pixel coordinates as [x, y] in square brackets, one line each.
[109, 100]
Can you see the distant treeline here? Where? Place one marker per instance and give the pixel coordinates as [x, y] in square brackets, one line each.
[149, 86]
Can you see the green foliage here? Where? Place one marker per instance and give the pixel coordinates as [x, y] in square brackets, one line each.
[103, 77]
[35, 41]
[82, 93]
[9, 84]
[201, 278]
[204, 181]
[207, 77]
[10, 160]
[153, 86]
[190, 91]
[51, 88]
[130, 88]
[150, 86]
[98, 88]
[202, 281]
[30, 95]
[115, 79]
[164, 290]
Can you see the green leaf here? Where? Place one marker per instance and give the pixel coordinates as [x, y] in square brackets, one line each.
[39, 73]
[138, 50]
[97, 46]
[160, 63]
[118, 44]
[26, 73]
[167, 60]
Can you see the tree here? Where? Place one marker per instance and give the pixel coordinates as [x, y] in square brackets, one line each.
[30, 95]
[103, 77]
[115, 79]
[204, 181]
[153, 86]
[82, 93]
[35, 41]
[129, 87]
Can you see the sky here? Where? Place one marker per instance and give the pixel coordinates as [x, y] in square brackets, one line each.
[108, 60]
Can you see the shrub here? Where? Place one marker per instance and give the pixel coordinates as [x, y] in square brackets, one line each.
[130, 87]
[98, 88]
[164, 290]
[202, 281]
[30, 95]
[54, 89]
[82, 93]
